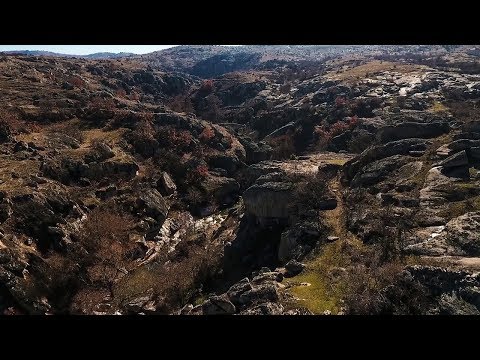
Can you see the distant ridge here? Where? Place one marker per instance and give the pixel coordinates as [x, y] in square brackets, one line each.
[100, 55]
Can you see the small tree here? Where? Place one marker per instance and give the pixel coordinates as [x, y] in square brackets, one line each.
[105, 238]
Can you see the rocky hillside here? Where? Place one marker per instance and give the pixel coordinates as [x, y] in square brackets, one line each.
[242, 180]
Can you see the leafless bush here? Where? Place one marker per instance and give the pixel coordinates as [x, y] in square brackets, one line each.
[310, 192]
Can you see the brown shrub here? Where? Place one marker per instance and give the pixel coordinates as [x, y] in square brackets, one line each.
[309, 193]
[283, 147]
[98, 103]
[365, 285]
[181, 103]
[120, 92]
[10, 124]
[77, 81]
[207, 134]
[207, 86]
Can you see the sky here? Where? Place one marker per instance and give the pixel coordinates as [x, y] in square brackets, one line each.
[87, 49]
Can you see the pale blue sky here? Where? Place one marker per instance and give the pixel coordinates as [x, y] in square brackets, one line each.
[87, 49]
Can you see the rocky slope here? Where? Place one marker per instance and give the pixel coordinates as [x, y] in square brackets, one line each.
[246, 180]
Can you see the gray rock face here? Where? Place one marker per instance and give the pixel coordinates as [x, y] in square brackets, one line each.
[456, 160]
[268, 308]
[298, 241]
[165, 184]
[409, 130]
[152, 204]
[268, 200]
[294, 267]
[262, 293]
[253, 172]
[464, 232]
[400, 147]
[34, 213]
[69, 170]
[378, 170]
[13, 263]
[453, 292]
[141, 304]
[218, 305]
[255, 152]
[475, 153]
[229, 163]
[270, 177]
[473, 126]
[455, 305]
[459, 237]
[433, 192]
[238, 289]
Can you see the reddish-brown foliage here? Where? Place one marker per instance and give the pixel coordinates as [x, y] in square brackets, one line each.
[207, 134]
[325, 134]
[10, 123]
[179, 138]
[104, 104]
[134, 96]
[207, 86]
[340, 101]
[197, 174]
[77, 81]
[120, 92]
[181, 103]
[201, 170]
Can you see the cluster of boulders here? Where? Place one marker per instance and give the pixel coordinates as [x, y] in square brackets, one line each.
[262, 294]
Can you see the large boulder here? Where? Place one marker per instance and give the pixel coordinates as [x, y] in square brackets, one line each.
[100, 152]
[151, 203]
[407, 130]
[225, 190]
[400, 147]
[229, 163]
[464, 232]
[262, 293]
[297, 241]
[378, 170]
[237, 289]
[218, 305]
[268, 200]
[294, 267]
[165, 184]
[459, 237]
[255, 151]
[459, 159]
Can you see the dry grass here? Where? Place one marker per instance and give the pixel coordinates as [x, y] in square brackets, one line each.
[438, 108]
[373, 68]
[22, 168]
[109, 137]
